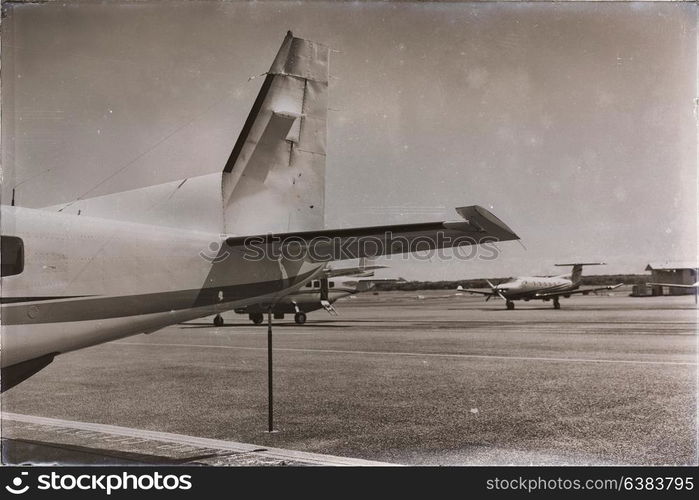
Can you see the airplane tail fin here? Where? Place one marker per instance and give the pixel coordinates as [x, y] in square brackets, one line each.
[368, 263]
[274, 179]
[576, 273]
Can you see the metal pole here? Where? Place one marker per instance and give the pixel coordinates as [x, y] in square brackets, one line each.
[270, 394]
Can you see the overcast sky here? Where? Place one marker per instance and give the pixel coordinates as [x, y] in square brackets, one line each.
[572, 122]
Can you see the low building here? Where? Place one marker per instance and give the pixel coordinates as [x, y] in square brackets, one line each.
[676, 273]
[641, 290]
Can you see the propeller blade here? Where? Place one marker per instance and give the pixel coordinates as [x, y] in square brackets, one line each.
[495, 291]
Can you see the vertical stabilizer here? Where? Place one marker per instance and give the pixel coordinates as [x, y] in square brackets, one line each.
[274, 179]
[367, 263]
[576, 274]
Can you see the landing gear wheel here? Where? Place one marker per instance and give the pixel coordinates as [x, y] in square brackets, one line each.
[256, 318]
[300, 318]
[556, 304]
[218, 320]
[510, 305]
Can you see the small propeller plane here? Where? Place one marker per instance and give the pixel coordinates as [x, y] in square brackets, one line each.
[319, 293]
[98, 269]
[541, 287]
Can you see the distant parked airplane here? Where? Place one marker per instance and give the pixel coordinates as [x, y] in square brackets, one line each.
[541, 287]
[319, 293]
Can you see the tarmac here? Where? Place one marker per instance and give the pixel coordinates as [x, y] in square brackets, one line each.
[411, 378]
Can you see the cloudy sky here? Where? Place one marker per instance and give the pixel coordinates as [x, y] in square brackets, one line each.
[572, 122]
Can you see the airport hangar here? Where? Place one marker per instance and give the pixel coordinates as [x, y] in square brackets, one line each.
[674, 272]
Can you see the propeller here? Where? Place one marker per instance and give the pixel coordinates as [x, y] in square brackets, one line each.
[496, 290]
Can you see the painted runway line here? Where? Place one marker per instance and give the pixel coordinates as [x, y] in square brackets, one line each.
[417, 354]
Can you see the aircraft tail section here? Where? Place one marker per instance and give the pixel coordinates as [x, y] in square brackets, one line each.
[367, 263]
[576, 273]
[274, 179]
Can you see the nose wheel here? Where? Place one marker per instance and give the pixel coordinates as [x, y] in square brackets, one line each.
[300, 318]
[510, 305]
[218, 320]
[556, 304]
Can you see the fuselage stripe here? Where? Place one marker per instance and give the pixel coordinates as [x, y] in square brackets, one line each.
[97, 308]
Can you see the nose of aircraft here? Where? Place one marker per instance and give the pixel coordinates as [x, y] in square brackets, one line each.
[507, 286]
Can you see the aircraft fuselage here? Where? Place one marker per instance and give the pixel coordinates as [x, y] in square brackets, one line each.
[88, 280]
[528, 287]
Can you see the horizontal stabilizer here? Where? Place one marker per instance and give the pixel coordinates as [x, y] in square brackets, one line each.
[478, 226]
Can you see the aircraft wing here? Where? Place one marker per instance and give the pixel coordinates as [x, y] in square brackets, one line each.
[673, 285]
[478, 291]
[351, 271]
[382, 280]
[478, 225]
[366, 284]
[435, 297]
[584, 291]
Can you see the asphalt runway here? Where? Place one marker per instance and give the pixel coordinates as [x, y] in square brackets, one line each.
[400, 377]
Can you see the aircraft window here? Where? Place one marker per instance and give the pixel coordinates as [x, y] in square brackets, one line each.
[316, 284]
[11, 255]
[309, 284]
[332, 284]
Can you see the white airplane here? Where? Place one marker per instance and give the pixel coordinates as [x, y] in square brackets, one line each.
[541, 287]
[98, 269]
[319, 293]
